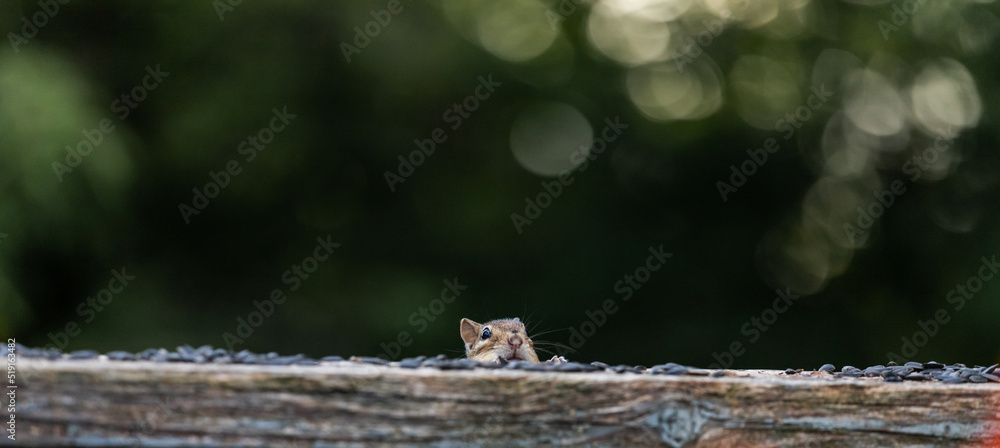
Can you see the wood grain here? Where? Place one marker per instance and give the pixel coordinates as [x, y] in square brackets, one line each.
[101, 403]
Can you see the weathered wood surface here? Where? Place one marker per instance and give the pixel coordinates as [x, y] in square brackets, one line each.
[101, 403]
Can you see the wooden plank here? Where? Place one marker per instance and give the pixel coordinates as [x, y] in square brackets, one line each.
[102, 403]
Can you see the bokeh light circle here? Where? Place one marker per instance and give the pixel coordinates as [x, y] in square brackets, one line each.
[548, 138]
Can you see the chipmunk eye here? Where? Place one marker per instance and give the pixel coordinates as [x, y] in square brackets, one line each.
[486, 333]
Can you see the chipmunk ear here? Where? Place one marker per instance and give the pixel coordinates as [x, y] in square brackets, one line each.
[470, 331]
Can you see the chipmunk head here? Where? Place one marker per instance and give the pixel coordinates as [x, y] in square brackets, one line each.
[501, 339]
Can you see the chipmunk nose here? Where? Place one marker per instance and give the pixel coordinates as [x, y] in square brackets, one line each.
[515, 342]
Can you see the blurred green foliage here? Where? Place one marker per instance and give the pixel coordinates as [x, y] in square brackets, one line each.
[657, 184]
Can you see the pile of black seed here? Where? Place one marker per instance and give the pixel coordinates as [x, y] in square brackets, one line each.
[911, 371]
[915, 371]
[184, 353]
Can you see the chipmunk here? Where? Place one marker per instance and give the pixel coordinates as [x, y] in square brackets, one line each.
[499, 341]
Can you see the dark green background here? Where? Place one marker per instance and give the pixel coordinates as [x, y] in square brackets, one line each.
[324, 175]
